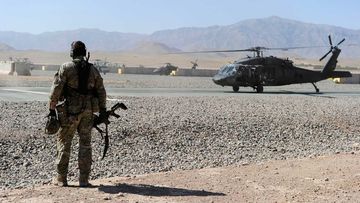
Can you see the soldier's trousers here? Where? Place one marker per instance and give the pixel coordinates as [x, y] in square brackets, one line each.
[81, 123]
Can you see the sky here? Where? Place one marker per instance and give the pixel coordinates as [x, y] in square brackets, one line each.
[148, 16]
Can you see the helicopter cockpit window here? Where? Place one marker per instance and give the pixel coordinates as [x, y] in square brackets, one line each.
[227, 69]
[222, 69]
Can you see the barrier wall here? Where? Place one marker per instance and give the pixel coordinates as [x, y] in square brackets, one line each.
[15, 68]
[6, 67]
[355, 79]
[137, 70]
[22, 68]
[196, 72]
[46, 67]
[179, 72]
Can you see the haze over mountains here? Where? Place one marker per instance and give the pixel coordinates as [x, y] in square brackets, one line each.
[268, 32]
[5, 47]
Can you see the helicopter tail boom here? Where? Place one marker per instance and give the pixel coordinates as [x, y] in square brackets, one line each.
[331, 64]
[340, 74]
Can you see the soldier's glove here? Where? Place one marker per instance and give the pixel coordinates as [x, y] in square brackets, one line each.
[52, 113]
[103, 118]
[52, 125]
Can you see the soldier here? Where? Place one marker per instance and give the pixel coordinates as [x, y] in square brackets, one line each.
[77, 92]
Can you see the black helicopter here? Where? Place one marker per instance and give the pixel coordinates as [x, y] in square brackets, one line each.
[102, 65]
[259, 71]
[167, 69]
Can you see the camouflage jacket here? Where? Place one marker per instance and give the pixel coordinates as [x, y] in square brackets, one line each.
[65, 86]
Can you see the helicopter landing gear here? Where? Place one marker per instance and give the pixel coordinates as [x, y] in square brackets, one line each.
[317, 89]
[259, 89]
[235, 88]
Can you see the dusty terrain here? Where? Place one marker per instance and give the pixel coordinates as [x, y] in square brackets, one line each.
[333, 178]
[273, 147]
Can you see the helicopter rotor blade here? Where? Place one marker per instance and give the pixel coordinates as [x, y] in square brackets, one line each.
[213, 51]
[330, 41]
[289, 48]
[325, 55]
[252, 49]
[341, 42]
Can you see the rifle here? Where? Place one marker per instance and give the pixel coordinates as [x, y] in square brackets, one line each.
[87, 58]
[105, 120]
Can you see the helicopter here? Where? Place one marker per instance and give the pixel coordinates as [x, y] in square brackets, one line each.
[259, 71]
[194, 64]
[167, 69]
[102, 66]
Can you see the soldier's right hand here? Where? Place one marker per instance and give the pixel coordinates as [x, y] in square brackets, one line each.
[52, 113]
[103, 117]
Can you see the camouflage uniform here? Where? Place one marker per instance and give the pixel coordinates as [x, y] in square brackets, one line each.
[76, 114]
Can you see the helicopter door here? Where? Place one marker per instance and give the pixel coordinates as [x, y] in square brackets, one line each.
[246, 72]
[263, 75]
[285, 73]
[255, 75]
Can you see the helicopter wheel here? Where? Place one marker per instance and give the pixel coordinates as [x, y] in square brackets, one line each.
[259, 89]
[235, 88]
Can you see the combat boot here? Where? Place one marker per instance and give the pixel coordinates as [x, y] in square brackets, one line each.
[84, 181]
[60, 180]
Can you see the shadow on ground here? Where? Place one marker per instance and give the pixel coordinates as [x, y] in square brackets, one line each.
[150, 190]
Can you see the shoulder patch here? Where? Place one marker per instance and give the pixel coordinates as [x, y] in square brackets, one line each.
[68, 64]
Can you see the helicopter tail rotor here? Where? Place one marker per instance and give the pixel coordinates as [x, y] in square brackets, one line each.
[193, 62]
[331, 47]
[326, 54]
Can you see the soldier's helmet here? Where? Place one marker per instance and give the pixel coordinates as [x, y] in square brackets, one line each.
[78, 48]
[52, 125]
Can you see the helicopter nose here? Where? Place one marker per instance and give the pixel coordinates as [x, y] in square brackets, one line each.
[218, 79]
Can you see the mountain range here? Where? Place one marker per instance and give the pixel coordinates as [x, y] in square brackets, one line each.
[268, 32]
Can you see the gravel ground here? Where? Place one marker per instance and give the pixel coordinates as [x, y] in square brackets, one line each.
[178, 133]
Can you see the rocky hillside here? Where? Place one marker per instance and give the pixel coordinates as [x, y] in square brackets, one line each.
[5, 47]
[268, 32]
[153, 47]
[60, 41]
